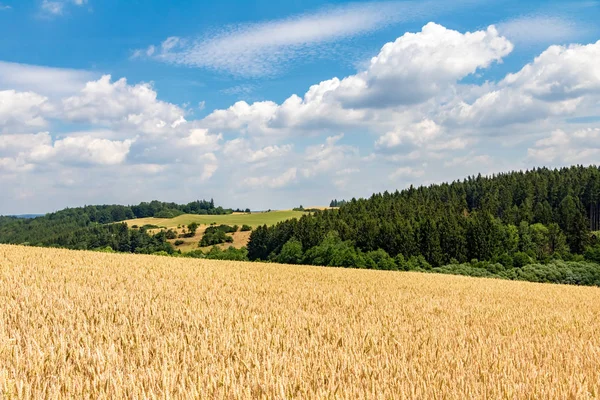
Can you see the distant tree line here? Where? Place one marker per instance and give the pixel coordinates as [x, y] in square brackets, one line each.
[115, 237]
[44, 229]
[337, 203]
[512, 219]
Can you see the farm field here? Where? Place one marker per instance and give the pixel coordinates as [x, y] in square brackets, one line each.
[254, 219]
[79, 324]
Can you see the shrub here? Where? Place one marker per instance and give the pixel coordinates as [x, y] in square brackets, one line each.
[179, 242]
[379, 259]
[246, 228]
[593, 254]
[291, 252]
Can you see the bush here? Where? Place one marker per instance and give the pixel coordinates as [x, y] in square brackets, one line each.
[291, 252]
[171, 234]
[214, 236]
[215, 253]
[593, 254]
[379, 259]
[150, 226]
[168, 213]
[246, 228]
[179, 242]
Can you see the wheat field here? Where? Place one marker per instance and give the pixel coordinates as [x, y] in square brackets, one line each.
[94, 325]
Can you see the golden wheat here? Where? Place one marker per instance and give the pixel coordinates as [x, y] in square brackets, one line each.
[93, 325]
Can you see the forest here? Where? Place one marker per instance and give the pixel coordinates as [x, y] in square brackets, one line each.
[517, 225]
[55, 228]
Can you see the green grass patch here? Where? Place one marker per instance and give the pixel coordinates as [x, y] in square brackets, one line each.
[253, 220]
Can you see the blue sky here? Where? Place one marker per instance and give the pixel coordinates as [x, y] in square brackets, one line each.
[267, 104]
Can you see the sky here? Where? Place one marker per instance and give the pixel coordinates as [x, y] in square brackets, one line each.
[272, 105]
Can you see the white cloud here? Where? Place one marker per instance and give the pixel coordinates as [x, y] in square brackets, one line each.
[241, 150]
[22, 109]
[559, 82]
[406, 72]
[4, 7]
[541, 29]
[203, 139]
[407, 172]
[38, 149]
[560, 147]
[57, 7]
[120, 104]
[420, 65]
[271, 182]
[418, 134]
[43, 80]
[260, 49]
[329, 156]
[468, 160]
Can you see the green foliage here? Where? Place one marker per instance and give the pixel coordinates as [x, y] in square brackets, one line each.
[246, 228]
[593, 254]
[216, 235]
[334, 252]
[570, 273]
[215, 253]
[178, 242]
[168, 213]
[337, 203]
[291, 252]
[542, 214]
[379, 259]
[44, 228]
[116, 237]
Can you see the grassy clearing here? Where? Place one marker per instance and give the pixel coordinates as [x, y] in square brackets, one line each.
[93, 325]
[254, 219]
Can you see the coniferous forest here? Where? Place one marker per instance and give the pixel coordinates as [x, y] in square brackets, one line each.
[535, 225]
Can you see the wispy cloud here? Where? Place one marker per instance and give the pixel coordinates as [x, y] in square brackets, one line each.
[541, 29]
[262, 48]
[4, 7]
[44, 80]
[57, 7]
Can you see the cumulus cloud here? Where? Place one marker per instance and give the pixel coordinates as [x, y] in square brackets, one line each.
[560, 147]
[328, 156]
[119, 104]
[406, 72]
[20, 110]
[39, 149]
[561, 81]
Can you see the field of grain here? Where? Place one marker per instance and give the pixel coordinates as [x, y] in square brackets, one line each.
[94, 325]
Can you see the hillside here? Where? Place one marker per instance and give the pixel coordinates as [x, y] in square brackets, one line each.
[252, 219]
[492, 223]
[82, 324]
[63, 227]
